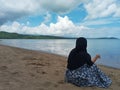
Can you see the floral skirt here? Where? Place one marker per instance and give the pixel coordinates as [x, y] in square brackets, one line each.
[88, 76]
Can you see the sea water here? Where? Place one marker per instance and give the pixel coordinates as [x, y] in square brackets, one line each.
[109, 49]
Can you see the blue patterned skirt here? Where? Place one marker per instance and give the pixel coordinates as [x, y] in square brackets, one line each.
[88, 76]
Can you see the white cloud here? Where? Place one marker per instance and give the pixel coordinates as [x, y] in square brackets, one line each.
[104, 8]
[47, 18]
[117, 14]
[11, 10]
[60, 6]
[99, 22]
[63, 27]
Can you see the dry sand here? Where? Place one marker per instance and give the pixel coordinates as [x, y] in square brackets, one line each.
[22, 69]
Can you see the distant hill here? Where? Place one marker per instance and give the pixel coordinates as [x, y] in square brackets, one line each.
[104, 38]
[6, 35]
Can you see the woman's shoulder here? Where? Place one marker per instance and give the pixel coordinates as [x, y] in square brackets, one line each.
[85, 53]
[73, 50]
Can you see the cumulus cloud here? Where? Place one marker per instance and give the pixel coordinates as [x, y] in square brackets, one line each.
[104, 8]
[11, 9]
[63, 27]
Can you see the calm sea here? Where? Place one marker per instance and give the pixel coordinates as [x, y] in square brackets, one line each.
[109, 49]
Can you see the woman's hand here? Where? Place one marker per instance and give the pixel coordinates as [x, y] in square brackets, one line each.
[97, 56]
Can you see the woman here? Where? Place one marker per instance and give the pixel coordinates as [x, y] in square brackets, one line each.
[81, 70]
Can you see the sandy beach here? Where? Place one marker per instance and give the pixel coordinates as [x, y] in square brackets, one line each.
[22, 69]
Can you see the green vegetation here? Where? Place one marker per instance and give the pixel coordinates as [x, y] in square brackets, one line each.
[6, 35]
[104, 38]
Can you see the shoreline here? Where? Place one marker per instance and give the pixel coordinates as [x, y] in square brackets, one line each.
[39, 51]
[22, 69]
[47, 52]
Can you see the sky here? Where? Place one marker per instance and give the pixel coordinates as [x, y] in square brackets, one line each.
[68, 18]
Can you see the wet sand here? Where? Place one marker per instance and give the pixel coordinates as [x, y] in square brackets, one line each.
[22, 69]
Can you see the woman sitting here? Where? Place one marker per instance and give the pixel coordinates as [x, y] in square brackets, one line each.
[81, 70]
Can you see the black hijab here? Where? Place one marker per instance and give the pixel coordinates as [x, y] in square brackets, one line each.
[79, 56]
[81, 44]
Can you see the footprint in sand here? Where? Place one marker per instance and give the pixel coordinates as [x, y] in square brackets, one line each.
[56, 72]
[118, 83]
[3, 68]
[47, 84]
[61, 82]
[32, 75]
[15, 73]
[43, 72]
[55, 85]
[37, 64]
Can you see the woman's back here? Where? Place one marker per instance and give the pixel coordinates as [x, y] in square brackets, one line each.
[77, 59]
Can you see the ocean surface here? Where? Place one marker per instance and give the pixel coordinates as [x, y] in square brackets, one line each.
[109, 49]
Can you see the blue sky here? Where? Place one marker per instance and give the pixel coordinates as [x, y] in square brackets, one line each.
[72, 18]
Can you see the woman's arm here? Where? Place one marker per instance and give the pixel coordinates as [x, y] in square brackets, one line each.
[95, 58]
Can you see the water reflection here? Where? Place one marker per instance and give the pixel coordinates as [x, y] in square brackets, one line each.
[110, 52]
